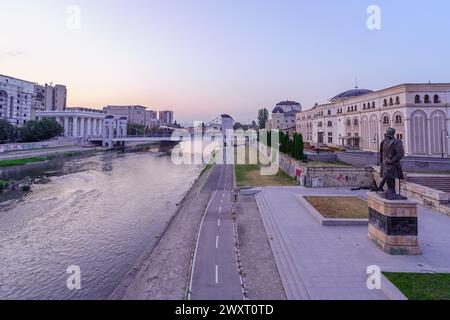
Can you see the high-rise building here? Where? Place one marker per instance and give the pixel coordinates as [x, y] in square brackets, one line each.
[166, 118]
[55, 97]
[16, 100]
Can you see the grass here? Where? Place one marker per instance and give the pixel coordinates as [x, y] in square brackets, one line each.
[249, 175]
[327, 164]
[421, 286]
[340, 207]
[21, 162]
[3, 184]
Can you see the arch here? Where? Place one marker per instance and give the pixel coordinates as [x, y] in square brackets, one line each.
[374, 132]
[436, 99]
[398, 118]
[417, 99]
[419, 133]
[365, 134]
[437, 131]
[385, 119]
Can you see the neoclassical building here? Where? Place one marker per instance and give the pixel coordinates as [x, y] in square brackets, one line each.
[284, 115]
[357, 119]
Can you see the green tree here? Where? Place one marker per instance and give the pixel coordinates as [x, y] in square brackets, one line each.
[38, 130]
[263, 116]
[237, 126]
[136, 129]
[7, 131]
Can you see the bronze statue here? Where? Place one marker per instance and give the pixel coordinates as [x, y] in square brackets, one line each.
[391, 153]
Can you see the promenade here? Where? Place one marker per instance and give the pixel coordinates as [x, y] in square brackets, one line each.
[317, 262]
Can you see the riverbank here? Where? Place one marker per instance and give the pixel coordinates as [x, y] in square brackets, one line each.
[163, 273]
[46, 153]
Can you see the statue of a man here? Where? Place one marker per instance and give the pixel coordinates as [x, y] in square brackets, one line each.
[391, 152]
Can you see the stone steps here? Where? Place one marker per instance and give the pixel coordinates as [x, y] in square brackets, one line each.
[290, 276]
[437, 183]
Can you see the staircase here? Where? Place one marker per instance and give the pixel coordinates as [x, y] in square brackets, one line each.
[290, 275]
[437, 182]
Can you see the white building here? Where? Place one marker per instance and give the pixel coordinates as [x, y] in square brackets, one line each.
[16, 100]
[358, 118]
[78, 123]
[284, 115]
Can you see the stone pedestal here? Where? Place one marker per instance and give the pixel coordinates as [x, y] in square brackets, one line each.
[393, 225]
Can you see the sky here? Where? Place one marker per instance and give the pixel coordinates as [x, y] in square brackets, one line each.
[202, 58]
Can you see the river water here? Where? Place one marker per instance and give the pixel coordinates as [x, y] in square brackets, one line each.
[100, 212]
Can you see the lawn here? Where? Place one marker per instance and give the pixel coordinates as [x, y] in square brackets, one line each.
[20, 162]
[421, 286]
[340, 207]
[250, 176]
[327, 164]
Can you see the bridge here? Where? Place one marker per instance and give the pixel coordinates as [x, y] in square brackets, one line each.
[115, 132]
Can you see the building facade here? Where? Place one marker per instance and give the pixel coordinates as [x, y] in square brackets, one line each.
[284, 115]
[151, 119]
[55, 97]
[357, 119]
[166, 118]
[134, 113]
[16, 100]
[78, 123]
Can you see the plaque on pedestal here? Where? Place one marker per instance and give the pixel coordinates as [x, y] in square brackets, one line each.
[393, 225]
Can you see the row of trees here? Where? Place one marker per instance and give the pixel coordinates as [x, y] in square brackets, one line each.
[293, 147]
[32, 131]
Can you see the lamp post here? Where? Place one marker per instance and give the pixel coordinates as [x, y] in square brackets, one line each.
[442, 141]
[376, 139]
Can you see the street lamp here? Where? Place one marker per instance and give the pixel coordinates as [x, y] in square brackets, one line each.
[376, 139]
[442, 140]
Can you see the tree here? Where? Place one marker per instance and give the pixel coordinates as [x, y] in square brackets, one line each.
[263, 116]
[237, 126]
[38, 130]
[7, 131]
[136, 129]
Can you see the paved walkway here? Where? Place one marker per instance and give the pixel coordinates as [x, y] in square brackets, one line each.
[215, 273]
[317, 262]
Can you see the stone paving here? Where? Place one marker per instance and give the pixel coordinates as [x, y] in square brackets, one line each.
[331, 262]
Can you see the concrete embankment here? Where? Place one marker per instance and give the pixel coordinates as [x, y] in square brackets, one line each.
[163, 272]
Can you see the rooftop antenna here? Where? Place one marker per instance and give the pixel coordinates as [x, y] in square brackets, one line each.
[356, 83]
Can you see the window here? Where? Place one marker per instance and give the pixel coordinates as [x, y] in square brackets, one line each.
[386, 120]
[349, 123]
[373, 105]
[398, 119]
[391, 102]
[329, 112]
[319, 124]
[355, 122]
[397, 100]
[385, 103]
[417, 99]
[436, 99]
[427, 99]
[330, 124]
[330, 137]
[400, 136]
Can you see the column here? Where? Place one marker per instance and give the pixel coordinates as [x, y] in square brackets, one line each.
[82, 127]
[89, 120]
[75, 127]
[66, 126]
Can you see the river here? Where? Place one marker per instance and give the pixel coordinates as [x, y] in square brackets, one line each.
[100, 212]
